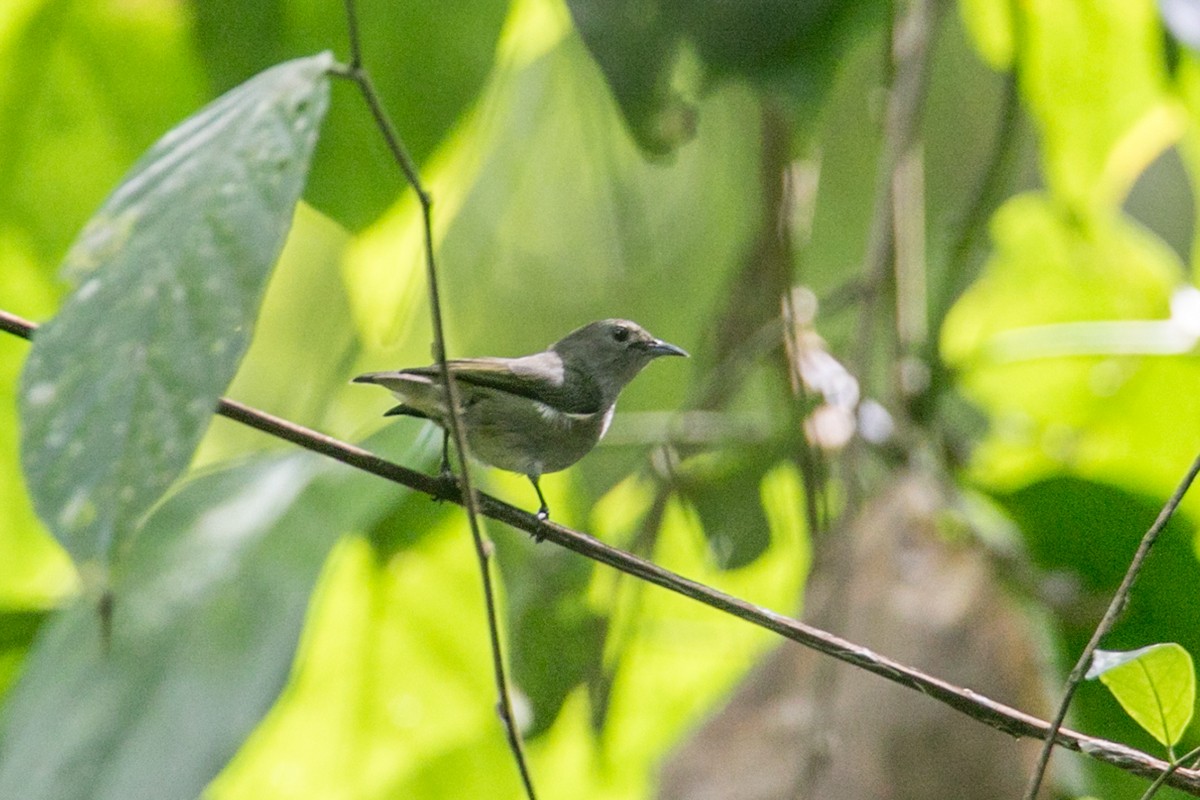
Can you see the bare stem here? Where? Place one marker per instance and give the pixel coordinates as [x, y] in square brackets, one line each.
[1176, 763]
[912, 29]
[357, 73]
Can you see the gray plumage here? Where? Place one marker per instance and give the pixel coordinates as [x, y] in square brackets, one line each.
[538, 413]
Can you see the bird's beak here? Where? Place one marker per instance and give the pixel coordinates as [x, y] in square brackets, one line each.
[660, 348]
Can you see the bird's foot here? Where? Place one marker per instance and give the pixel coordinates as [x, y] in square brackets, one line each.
[543, 514]
[448, 480]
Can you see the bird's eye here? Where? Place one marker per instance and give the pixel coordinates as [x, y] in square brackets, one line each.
[620, 333]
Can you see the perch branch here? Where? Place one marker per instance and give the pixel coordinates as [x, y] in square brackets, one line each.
[999, 716]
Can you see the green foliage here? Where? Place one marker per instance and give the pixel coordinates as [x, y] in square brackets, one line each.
[531, 123]
[76, 109]
[646, 49]
[1156, 685]
[1083, 533]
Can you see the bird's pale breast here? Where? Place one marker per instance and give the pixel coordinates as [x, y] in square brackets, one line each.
[533, 438]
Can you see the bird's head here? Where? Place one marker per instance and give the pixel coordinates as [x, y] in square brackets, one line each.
[612, 352]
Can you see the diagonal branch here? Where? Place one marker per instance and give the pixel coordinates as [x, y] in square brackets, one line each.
[999, 716]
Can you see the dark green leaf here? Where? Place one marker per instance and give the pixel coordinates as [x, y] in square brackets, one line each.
[209, 605]
[428, 61]
[120, 385]
[1081, 535]
[17, 630]
[724, 490]
[557, 639]
[779, 45]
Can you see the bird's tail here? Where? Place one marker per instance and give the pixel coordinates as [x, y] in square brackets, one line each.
[419, 395]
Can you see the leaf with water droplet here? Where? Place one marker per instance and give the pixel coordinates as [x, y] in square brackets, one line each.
[175, 260]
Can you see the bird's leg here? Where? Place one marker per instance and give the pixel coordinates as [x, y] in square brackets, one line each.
[445, 475]
[444, 467]
[543, 512]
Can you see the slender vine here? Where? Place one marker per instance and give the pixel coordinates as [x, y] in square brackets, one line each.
[357, 73]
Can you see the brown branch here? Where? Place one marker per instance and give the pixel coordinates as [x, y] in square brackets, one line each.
[999, 716]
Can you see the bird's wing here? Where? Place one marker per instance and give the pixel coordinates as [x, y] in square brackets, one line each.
[539, 377]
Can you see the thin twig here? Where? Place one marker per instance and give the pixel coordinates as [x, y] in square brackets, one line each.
[1106, 623]
[912, 26]
[999, 716]
[1176, 764]
[483, 547]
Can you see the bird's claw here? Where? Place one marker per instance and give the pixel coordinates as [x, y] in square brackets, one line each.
[542, 515]
[447, 479]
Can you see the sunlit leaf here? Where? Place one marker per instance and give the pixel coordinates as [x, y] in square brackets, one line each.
[395, 676]
[990, 24]
[1062, 390]
[85, 88]
[121, 384]
[543, 145]
[1092, 76]
[37, 572]
[1156, 685]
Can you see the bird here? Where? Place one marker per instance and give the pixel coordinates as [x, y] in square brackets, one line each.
[538, 413]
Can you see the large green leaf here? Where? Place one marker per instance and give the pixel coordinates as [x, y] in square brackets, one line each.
[1093, 78]
[209, 606]
[121, 384]
[392, 679]
[1156, 685]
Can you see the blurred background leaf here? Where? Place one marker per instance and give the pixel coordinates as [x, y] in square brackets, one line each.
[190, 669]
